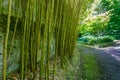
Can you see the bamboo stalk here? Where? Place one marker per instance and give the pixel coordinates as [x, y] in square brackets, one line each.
[43, 39]
[23, 44]
[15, 29]
[42, 21]
[56, 33]
[6, 42]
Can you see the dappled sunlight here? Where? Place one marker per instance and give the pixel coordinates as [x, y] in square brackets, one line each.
[109, 58]
[116, 57]
[113, 51]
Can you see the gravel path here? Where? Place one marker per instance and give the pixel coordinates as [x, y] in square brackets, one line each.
[109, 59]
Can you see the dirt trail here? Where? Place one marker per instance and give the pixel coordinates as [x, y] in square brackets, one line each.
[109, 59]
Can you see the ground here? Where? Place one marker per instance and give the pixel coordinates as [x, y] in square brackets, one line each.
[109, 58]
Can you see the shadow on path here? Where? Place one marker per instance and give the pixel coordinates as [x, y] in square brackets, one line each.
[109, 59]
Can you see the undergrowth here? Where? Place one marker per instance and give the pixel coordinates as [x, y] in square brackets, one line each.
[84, 66]
[91, 67]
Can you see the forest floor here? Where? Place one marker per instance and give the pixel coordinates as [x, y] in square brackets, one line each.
[109, 59]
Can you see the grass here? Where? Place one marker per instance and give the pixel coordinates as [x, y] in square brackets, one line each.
[84, 65]
[91, 67]
[72, 72]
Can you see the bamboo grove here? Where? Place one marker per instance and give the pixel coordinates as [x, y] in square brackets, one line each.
[42, 23]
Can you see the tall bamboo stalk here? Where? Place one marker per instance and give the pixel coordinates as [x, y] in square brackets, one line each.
[6, 42]
[15, 29]
[23, 45]
[56, 33]
[43, 39]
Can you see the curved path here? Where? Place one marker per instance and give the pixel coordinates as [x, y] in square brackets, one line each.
[109, 59]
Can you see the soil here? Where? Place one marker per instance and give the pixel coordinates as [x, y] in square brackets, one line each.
[109, 59]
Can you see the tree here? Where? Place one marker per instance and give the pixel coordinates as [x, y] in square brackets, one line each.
[96, 25]
[113, 6]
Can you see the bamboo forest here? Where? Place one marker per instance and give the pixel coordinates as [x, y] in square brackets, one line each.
[59, 39]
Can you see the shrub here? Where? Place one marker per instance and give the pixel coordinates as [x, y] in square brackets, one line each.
[91, 40]
[117, 37]
[105, 39]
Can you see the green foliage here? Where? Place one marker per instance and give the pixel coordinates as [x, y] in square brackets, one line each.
[73, 72]
[43, 22]
[95, 25]
[91, 67]
[96, 40]
[117, 37]
[101, 40]
[103, 19]
[84, 65]
[114, 23]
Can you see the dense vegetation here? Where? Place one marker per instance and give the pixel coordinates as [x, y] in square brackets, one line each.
[114, 22]
[41, 24]
[102, 22]
[39, 37]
